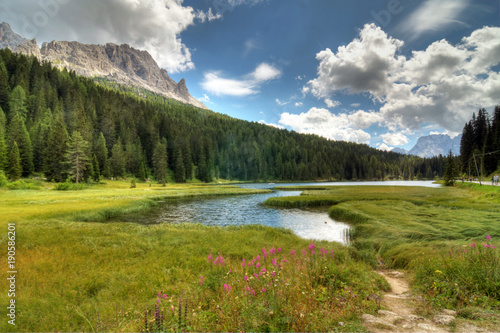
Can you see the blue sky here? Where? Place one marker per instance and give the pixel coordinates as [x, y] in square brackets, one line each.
[377, 72]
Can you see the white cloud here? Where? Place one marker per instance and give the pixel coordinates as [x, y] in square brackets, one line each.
[215, 83]
[362, 119]
[210, 16]
[270, 124]
[280, 103]
[299, 104]
[363, 65]
[355, 105]
[332, 104]
[205, 99]
[441, 85]
[394, 139]
[434, 15]
[385, 147]
[324, 123]
[152, 25]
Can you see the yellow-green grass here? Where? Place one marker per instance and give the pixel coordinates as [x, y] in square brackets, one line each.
[423, 230]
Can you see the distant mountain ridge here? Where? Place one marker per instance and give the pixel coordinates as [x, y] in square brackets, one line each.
[433, 145]
[119, 63]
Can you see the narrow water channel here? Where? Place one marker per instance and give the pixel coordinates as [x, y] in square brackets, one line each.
[314, 224]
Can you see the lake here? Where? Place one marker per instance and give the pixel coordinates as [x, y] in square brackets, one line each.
[308, 223]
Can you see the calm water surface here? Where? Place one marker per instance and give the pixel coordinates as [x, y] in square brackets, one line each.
[248, 209]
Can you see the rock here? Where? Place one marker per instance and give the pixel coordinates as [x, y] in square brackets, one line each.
[120, 63]
[369, 319]
[413, 318]
[396, 274]
[426, 327]
[443, 319]
[387, 313]
[449, 312]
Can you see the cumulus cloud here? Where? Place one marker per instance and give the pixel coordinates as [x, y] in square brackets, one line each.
[331, 103]
[324, 123]
[440, 85]
[362, 119]
[385, 147]
[363, 65]
[249, 84]
[209, 15]
[270, 124]
[299, 104]
[395, 139]
[152, 25]
[434, 15]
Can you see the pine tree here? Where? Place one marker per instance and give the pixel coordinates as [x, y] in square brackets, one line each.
[142, 175]
[96, 176]
[4, 88]
[76, 156]
[160, 161]
[450, 170]
[3, 145]
[17, 133]
[101, 152]
[117, 160]
[17, 103]
[180, 171]
[15, 167]
[55, 150]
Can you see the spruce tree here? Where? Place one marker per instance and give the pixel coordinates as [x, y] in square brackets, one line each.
[15, 167]
[101, 152]
[3, 145]
[76, 157]
[17, 102]
[450, 170]
[180, 171]
[17, 133]
[4, 88]
[96, 176]
[117, 160]
[55, 150]
[160, 162]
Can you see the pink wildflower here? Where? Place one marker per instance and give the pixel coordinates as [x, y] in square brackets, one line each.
[251, 263]
[210, 257]
[273, 251]
[493, 247]
[165, 296]
[486, 245]
[312, 247]
[258, 265]
[304, 252]
[258, 258]
[284, 261]
[488, 237]
[279, 250]
[243, 263]
[473, 245]
[264, 290]
[202, 279]
[274, 262]
[273, 273]
[245, 278]
[292, 253]
[227, 287]
[264, 270]
[264, 252]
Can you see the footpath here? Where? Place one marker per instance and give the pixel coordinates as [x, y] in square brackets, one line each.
[402, 316]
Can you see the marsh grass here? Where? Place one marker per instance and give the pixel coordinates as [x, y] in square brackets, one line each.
[417, 228]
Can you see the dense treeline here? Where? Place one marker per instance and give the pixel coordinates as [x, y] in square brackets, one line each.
[56, 124]
[480, 144]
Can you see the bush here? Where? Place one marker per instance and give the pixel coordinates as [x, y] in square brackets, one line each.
[24, 185]
[69, 186]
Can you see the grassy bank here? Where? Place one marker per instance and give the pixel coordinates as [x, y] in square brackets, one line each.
[439, 234]
[78, 275]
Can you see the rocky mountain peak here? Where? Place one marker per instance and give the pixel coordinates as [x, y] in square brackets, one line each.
[120, 63]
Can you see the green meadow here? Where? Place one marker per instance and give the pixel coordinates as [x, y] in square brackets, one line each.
[81, 269]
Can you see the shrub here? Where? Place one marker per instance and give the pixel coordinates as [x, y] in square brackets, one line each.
[3, 179]
[24, 185]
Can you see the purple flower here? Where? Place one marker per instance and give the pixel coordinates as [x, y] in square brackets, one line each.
[488, 237]
[312, 247]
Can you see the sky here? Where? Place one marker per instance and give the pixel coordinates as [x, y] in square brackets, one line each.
[377, 72]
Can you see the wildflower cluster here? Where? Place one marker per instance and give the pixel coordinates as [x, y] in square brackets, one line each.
[278, 290]
[468, 276]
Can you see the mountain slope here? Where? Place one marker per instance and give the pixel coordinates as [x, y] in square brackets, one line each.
[119, 63]
[434, 145]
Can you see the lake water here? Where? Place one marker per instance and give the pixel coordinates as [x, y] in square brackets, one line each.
[311, 223]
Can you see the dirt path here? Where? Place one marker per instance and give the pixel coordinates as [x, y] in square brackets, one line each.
[401, 314]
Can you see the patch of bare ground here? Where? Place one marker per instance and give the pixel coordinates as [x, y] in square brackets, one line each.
[400, 312]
